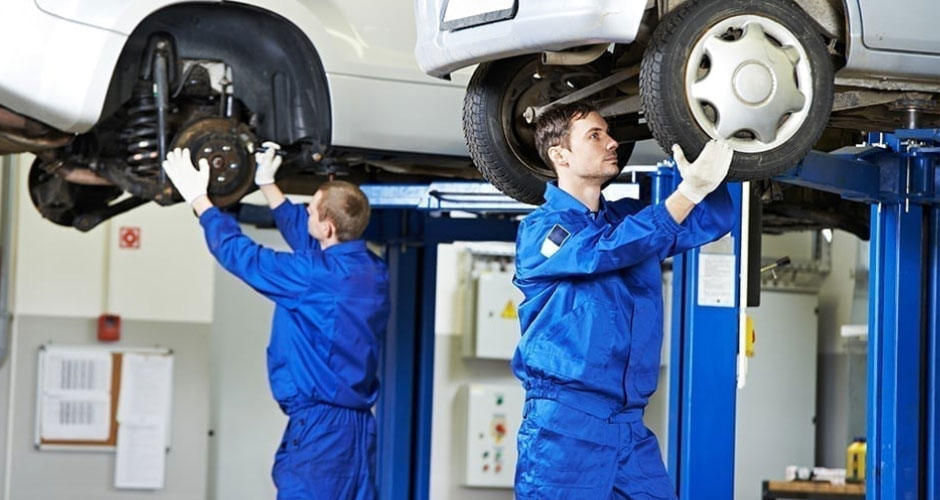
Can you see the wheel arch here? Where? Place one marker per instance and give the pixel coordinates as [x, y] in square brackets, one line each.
[277, 71]
[830, 15]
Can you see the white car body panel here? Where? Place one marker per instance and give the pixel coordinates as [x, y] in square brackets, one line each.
[430, 124]
[869, 62]
[54, 70]
[78, 43]
[537, 26]
[119, 16]
[895, 49]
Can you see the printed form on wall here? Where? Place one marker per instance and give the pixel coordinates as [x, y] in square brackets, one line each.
[143, 416]
[75, 394]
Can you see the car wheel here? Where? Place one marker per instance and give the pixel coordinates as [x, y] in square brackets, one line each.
[754, 73]
[501, 142]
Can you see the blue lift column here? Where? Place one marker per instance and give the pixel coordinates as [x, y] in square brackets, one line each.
[412, 220]
[899, 179]
[703, 360]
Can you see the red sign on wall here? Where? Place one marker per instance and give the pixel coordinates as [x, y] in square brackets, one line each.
[129, 237]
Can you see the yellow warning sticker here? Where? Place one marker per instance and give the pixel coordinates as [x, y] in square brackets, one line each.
[509, 312]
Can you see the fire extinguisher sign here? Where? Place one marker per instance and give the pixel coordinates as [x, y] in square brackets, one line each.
[129, 237]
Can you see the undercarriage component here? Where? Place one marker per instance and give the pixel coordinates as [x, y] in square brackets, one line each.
[575, 57]
[532, 113]
[79, 205]
[19, 134]
[795, 208]
[226, 145]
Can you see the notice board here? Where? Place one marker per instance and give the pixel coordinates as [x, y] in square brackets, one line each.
[78, 390]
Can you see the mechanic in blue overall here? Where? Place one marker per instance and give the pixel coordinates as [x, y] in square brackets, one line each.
[592, 316]
[331, 310]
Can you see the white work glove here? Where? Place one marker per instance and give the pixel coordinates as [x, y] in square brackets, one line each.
[267, 163]
[189, 181]
[709, 169]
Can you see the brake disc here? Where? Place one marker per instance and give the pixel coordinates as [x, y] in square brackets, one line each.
[227, 145]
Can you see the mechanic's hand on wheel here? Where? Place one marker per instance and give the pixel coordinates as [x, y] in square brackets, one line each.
[703, 176]
[189, 181]
[267, 163]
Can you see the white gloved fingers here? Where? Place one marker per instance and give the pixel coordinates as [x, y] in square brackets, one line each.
[267, 162]
[189, 181]
[203, 168]
[709, 151]
[263, 157]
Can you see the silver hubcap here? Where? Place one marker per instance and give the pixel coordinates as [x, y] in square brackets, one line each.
[748, 80]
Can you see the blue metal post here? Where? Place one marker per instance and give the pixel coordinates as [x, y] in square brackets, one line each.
[407, 371]
[894, 357]
[425, 399]
[395, 411]
[707, 394]
[703, 368]
[933, 357]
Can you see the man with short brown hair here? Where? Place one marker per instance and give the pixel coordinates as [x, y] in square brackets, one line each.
[592, 316]
[331, 311]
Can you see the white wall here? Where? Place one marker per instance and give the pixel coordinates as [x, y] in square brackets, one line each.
[841, 300]
[60, 271]
[246, 422]
[837, 298]
[89, 475]
[775, 410]
[62, 280]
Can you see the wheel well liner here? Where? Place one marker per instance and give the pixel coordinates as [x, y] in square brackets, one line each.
[277, 71]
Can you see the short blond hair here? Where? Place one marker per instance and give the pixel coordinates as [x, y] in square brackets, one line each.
[346, 206]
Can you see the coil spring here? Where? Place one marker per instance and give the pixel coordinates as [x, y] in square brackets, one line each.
[140, 134]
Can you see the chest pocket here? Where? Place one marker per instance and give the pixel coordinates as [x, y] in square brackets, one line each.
[647, 344]
[578, 345]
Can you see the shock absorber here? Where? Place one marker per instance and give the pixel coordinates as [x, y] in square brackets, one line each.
[161, 89]
[146, 130]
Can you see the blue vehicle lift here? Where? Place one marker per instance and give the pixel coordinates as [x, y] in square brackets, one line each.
[897, 176]
[412, 220]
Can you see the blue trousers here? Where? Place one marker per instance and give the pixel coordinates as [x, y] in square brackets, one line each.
[327, 453]
[564, 453]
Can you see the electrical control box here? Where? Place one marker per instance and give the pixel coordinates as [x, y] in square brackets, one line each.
[491, 415]
[496, 329]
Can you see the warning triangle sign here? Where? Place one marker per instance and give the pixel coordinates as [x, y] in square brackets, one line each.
[509, 312]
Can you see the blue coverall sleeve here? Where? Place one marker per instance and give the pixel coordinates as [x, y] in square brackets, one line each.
[280, 276]
[711, 219]
[291, 220]
[589, 249]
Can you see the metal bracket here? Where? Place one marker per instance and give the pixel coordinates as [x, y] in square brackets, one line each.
[898, 167]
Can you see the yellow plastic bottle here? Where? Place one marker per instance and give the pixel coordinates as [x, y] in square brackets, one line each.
[855, 461]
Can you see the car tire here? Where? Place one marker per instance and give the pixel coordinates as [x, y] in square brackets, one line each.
[497, 136]
[676, 104]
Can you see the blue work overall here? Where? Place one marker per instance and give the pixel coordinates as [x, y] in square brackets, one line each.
[591, 338]
[331, 312]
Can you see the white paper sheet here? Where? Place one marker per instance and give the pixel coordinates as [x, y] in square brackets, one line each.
[75, 396]
[146, 383]
[716, 280]
[141, 456]
[143, 420]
